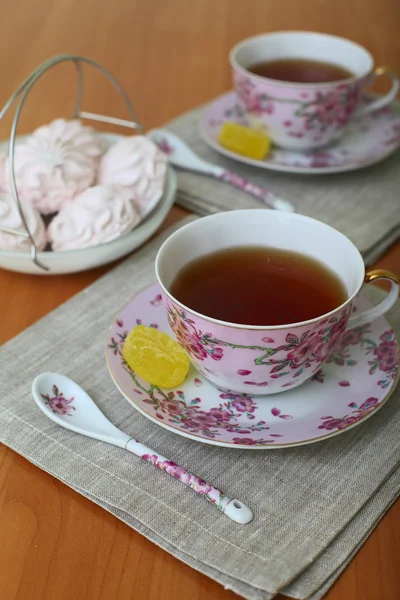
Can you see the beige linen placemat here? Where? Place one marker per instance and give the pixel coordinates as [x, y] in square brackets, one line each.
[333, 560]
[313, 505]
[363, 204]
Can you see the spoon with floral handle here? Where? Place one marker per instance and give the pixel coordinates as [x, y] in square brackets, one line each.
[66, 403]
[182, 156]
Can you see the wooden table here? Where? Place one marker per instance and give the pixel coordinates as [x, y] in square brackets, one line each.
[170, 55]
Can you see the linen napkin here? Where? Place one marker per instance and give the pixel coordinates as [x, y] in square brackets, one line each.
[313, 505]
[363, 204]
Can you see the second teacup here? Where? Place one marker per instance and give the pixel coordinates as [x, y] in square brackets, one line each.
[300, 115]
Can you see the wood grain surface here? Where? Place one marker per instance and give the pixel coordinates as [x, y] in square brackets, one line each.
[170, 55]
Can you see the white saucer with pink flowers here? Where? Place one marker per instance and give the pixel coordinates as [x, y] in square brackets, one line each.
[356, 382]
[368, 140]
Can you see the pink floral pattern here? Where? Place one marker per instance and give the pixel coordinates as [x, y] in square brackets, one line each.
[200, 486]
[290, 359]
[333, 108]
[197, 344]
[251, 100]
[384, 354]
[359, 412]
[58, 403]
[247, 186]
[310, 349]
[353, 378]
[385, 358]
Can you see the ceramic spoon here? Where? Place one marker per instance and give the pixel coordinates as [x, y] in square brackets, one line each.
[66, 403]
[180, 155]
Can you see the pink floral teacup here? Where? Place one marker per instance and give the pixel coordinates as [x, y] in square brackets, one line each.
[305, 115]
[264, 359]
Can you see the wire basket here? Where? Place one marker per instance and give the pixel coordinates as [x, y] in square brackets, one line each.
[22, 93]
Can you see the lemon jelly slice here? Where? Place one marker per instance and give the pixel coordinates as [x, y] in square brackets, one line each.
[244, 140]
[155, 357]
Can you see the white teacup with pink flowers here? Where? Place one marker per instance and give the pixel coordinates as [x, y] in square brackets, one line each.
[264, 359]
[305, 115]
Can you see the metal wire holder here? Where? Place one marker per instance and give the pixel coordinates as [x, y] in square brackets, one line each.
[22, 93]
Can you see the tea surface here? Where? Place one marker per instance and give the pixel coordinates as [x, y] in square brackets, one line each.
[300, 71]
[258, 286]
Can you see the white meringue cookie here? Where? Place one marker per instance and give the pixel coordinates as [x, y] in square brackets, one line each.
[10, 217]
[98, 215]
[55, 163]
[137, 164]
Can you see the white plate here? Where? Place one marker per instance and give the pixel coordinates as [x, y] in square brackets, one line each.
[72, 261]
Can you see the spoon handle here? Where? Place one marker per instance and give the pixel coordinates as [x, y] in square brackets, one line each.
[254, 190]
[232, 508]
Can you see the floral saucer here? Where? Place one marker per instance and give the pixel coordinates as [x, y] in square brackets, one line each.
[356, 382]
[367, 140]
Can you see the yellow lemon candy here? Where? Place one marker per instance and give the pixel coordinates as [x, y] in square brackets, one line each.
[244, 140]
[155, 357]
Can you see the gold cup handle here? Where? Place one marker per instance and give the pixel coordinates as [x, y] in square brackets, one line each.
[387, 98]
[377, 311]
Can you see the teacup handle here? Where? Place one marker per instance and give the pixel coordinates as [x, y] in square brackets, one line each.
[387, 98]
[377, 311]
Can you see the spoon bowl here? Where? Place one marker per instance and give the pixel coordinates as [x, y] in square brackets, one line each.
[65, 402]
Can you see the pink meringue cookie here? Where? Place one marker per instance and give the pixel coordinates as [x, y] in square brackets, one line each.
[55, 163]
[135, 163]
[10, 217]
[98, 215]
